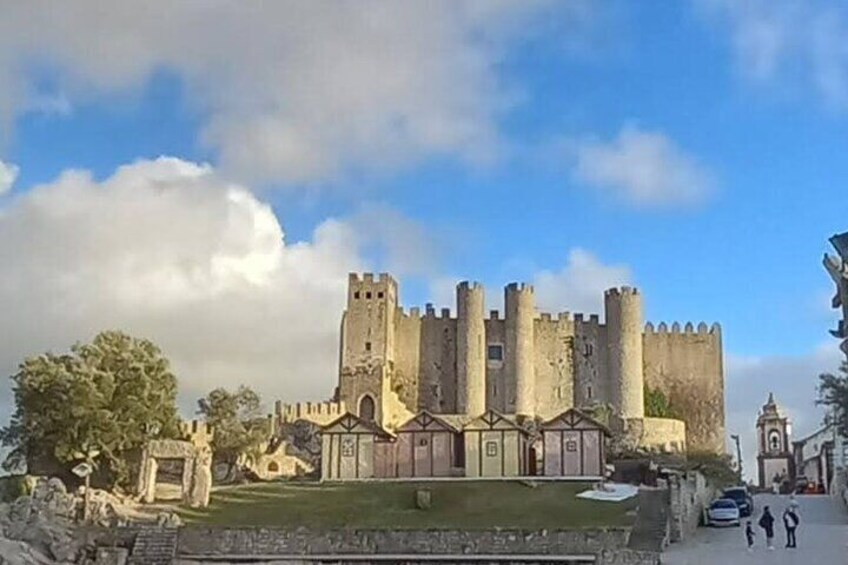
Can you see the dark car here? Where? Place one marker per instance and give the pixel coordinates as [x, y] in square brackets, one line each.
[742, 499]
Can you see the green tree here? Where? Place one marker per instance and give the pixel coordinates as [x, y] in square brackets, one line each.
[238, 424]
[99, 402]
[833, 393]
[657, 404]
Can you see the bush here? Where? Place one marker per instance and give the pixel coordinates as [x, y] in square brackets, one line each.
[12, 487]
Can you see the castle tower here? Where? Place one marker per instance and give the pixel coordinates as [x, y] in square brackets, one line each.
[774, 459]
[623, 309]
[519, 347]
[368, 343]
[470, 349]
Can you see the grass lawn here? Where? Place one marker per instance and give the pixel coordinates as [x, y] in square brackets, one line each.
[469, 505]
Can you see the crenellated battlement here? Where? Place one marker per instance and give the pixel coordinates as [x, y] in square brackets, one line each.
[197, 432]
[317, 412]
[368, 278]
[594, 320]
[469, 285]
[520, 288]
[622, 291]
[688, 329]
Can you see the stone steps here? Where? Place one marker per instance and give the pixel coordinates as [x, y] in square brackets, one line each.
[650, 532]
[154, 546]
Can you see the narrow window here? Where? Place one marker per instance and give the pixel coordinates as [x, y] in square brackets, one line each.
[495, 352]
[588, 349]
[589, 392]
[368, 296]
[356, 295]
[367, 346]
[380, 295]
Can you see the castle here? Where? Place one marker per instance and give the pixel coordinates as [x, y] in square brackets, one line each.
[395, 363]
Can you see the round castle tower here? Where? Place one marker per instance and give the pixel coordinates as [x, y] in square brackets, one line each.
[623, 309]
[520, 312]
[470, 349]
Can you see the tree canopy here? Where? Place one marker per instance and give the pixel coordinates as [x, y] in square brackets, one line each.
[833, 393]
[237, 420]
[99, 402]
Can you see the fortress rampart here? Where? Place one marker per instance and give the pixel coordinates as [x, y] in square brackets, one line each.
[321, 413]
[525, 362]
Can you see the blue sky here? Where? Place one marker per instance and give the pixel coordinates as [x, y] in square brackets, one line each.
[694, 149]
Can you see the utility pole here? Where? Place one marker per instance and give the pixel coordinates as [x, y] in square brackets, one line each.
[735, 437]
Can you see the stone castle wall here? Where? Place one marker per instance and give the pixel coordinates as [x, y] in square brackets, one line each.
[686, 365]
[433, 361]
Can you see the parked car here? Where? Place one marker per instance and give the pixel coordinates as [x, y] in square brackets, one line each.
[742, 498]
[723, 512]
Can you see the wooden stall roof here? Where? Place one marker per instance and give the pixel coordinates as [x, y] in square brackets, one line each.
[350, 424]
[493, 420]
[574, 419]
[425, 421]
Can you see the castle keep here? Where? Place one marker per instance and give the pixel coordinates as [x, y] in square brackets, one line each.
[395, 363]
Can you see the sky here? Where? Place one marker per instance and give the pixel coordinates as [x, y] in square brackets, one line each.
[206, 176]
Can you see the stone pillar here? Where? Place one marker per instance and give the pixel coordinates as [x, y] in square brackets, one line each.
[520, 313]
[470, 349]
[624, 337]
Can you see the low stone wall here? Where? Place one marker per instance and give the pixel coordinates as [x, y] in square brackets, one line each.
[689, 494]
[663, 434]
[208, 541]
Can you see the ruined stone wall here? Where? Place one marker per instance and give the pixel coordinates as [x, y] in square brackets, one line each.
[687, 366]
[591, 382]
[437, 376]
[495, 370]
[407, 366]
[554, 364]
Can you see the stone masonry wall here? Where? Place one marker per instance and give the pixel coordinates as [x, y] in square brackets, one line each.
[690, 494]
[554, 365]
[265, 541]
[687, 366]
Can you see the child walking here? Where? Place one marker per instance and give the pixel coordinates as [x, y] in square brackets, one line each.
[749, 534]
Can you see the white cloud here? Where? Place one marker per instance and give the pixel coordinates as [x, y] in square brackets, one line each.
[793, 380]
[798, 44]
[645, 168]
[287, 91]
[168, 250]
[8, 176]
[579, 286]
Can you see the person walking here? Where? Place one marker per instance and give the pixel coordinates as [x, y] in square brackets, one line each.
[749, 535]
[767, 523]
[790, 522]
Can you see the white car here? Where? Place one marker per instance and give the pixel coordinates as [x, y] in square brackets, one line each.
[723, 512]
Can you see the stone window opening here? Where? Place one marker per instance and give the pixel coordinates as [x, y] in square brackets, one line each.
[367, 346]
[356, 295]
[495, 352]
[380, 294]
[367, 296]
[589, 392]
[588, 350]
[273, 467]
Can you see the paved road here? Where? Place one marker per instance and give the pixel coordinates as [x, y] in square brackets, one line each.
[822, 538]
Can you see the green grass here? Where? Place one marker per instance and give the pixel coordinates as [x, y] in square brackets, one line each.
[469, 505]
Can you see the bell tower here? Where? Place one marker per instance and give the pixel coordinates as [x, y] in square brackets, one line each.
[774, 458]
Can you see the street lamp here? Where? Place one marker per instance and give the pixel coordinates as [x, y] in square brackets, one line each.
[735, 437]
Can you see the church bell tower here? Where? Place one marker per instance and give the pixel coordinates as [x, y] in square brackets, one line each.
[774, 458]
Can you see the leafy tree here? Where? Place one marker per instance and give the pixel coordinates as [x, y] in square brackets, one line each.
[99, 402]
[238, 424]
[833, 393]
[657, 404]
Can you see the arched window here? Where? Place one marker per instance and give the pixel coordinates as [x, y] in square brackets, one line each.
[774, 441]
[273, 467]
[366, 408]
